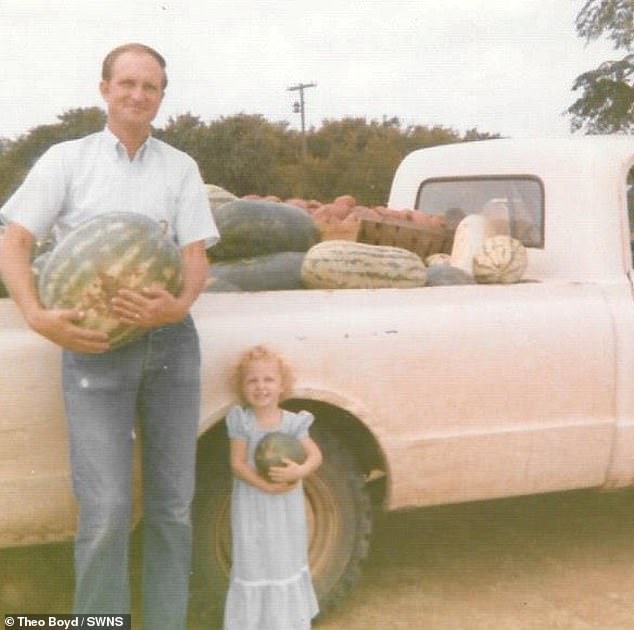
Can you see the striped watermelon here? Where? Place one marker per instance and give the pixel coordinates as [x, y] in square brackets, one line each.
[341, 264]
[92, 262]
[503, 260]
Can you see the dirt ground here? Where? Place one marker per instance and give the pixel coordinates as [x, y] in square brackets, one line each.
[561, 561]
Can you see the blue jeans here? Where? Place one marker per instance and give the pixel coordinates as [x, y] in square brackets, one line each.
[156, 380]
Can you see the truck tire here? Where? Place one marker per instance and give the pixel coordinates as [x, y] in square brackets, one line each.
[339, 525]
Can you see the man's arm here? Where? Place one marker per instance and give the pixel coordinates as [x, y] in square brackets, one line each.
[154, 306]
[59, 326]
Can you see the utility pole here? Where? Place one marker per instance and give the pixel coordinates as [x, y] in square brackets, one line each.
[299, 108]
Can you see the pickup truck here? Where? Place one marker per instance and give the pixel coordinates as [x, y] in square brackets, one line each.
[422, 396]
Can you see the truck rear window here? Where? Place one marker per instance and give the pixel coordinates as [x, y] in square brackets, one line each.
[514, 204]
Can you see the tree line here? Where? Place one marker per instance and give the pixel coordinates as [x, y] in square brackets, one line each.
[247, 154]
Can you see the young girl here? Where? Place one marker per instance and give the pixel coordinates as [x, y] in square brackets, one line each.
[270, 584]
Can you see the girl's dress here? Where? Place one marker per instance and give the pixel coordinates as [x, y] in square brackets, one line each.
[270, 583]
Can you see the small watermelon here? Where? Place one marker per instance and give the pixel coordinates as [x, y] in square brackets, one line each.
[439, 259]
[503, 260]
[446, 275]
[102, 255]
[275, 447]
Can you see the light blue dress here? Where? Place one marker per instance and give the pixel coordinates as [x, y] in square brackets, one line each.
[270, 583]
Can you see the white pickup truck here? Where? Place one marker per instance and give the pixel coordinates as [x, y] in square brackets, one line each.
[422, 396]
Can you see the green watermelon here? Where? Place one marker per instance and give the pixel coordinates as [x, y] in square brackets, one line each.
[273, 448]
[102, 255]
[271, 272]
[443, 275]
[252, 228]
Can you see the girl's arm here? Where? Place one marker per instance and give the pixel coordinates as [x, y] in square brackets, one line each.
[293, 472]
[242, 470]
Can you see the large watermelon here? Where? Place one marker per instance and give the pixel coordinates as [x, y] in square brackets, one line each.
[252, 228]
[102, 255]
[341, 264]
[272, 272]
[273, 448]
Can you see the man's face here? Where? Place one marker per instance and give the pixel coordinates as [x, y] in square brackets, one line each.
[134, 91]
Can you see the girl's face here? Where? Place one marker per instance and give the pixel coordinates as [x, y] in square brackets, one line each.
[262, 384]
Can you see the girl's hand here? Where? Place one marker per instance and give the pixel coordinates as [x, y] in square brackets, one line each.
[291, 472]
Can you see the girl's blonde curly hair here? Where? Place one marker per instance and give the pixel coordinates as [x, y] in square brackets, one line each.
[267, 354]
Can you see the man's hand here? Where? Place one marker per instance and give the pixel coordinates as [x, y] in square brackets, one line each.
[61, 327]
[148, 308]
[155, 306]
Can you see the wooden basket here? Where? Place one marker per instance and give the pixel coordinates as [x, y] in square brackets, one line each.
[423, 240]
[338, 230]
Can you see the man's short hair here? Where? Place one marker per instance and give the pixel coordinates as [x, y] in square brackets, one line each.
[113, 55]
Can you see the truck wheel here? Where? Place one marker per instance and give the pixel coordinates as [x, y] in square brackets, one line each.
[339, 524]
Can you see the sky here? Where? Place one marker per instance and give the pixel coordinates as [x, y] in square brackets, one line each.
[501, 66]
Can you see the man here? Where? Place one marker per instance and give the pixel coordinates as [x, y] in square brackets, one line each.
[155, 378]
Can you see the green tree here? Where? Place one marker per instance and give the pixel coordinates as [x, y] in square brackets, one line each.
[244, 154]
[606, 104]
[357, 157]
[247, 154]
[185, 132]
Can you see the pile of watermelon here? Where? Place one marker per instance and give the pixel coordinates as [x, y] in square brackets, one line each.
[272, 244]
[264, 240]
[262, 246]
[268, 243]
